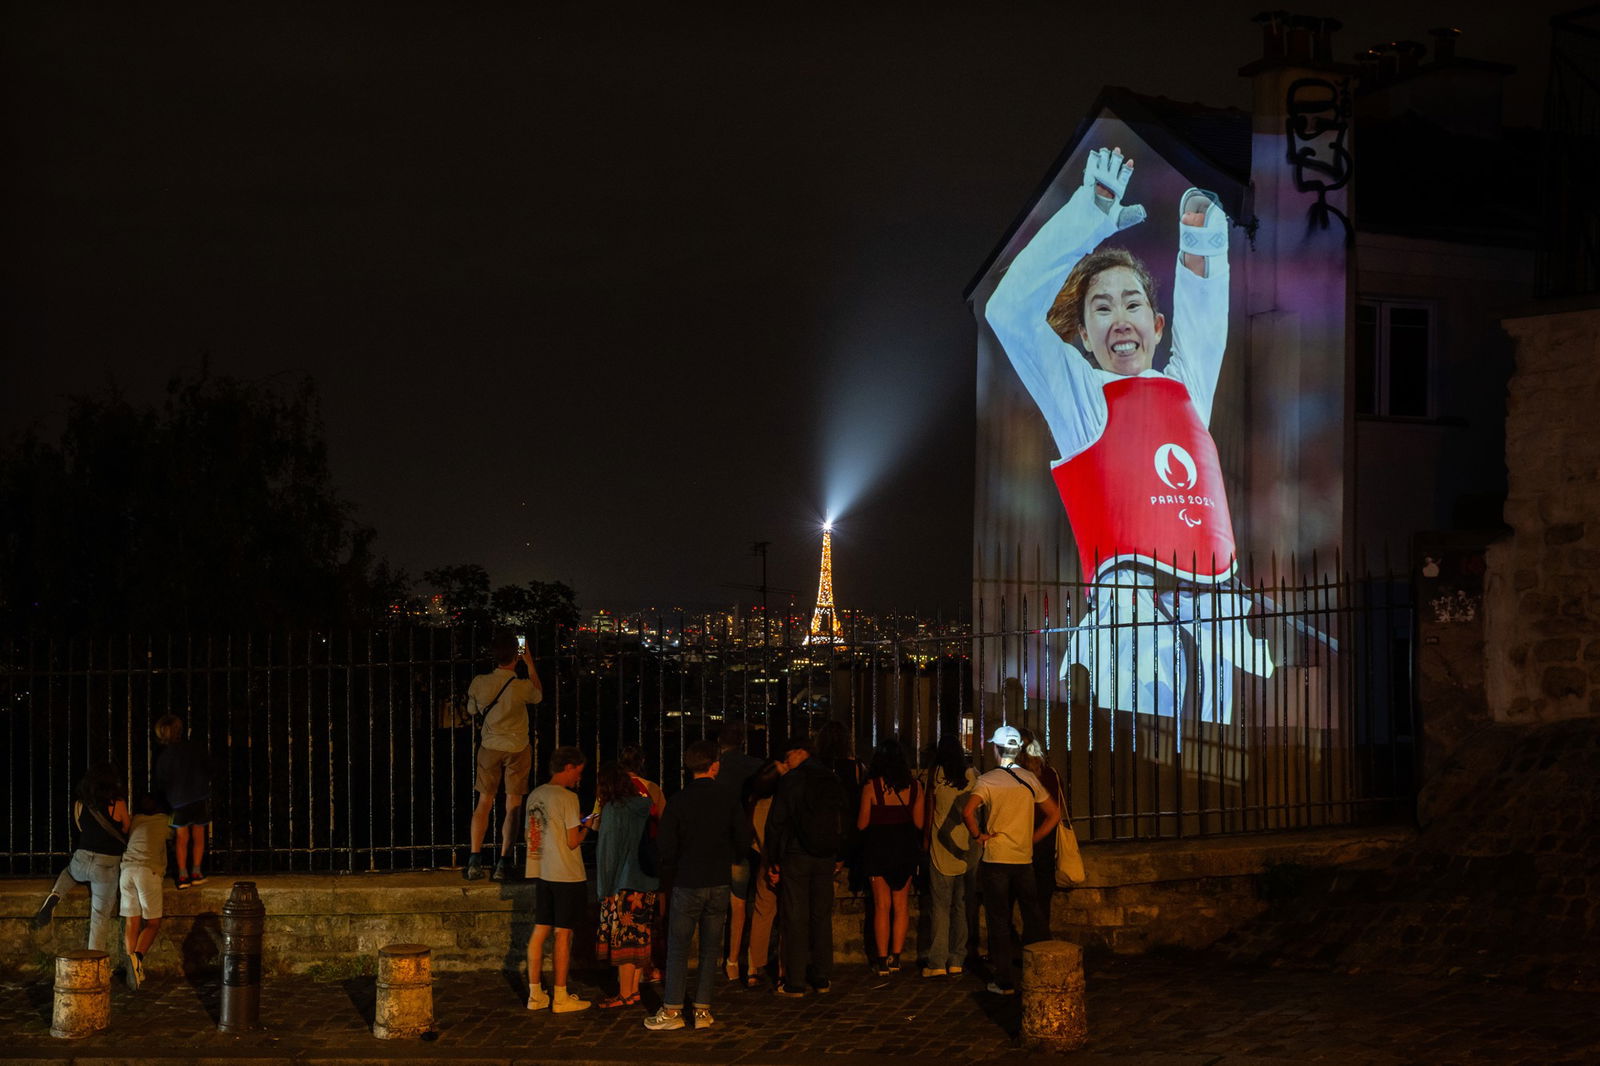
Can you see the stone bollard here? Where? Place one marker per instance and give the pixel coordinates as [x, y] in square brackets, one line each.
[1052, 996]
[405, 992]
[243, 918]
[83, 994]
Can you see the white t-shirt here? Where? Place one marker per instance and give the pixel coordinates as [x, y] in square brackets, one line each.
[951, 846]
[505, 728]
[552, 810]
[1010, 805]
[147, 843]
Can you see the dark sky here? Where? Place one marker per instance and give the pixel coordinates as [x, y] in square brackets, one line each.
[603, 292]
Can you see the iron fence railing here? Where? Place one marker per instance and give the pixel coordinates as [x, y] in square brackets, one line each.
[351, 752]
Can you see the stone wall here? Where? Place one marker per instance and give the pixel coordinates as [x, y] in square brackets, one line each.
[1542, 593]
[1138, 896]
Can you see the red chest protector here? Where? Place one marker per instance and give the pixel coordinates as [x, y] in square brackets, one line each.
[1150, 489]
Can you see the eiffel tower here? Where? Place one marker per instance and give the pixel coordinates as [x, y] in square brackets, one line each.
[825, 628]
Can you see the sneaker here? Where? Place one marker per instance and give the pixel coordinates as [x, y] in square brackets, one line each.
[702, 1017]
[934, 971]
[501, 870]
[788, 991]
[197, 878]
[881, 967]
[664, 1019]
[564, 1002]
[893, 962]
[538, 999]
[135, 973]
[473, 871]
[46, 911]
[1001, 990]
[955, 971]
[183, 881]
[822, 987]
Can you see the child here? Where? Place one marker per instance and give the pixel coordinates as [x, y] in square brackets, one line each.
[702, 833]
[183, 777]
[144, 864]
[555, 830]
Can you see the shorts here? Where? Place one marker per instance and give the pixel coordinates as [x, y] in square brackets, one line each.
[739, 881]
[516, 767]
[559, 904]
[196, 813]
[140, 887]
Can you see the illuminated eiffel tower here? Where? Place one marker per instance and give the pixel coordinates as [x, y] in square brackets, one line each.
[825, 628]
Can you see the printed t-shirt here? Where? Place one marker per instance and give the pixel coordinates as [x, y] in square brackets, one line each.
[552, 810]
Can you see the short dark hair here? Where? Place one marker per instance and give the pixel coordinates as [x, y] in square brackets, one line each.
[698, 757]
[798, 742]
[149, 803]
[503, 646]
[564, 757]
[731, 735]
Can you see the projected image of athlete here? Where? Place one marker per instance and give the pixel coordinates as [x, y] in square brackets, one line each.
[1138, 472]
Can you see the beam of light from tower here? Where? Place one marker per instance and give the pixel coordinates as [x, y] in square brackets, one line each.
[825, 628]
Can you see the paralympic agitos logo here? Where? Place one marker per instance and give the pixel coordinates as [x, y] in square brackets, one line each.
[1177, 470]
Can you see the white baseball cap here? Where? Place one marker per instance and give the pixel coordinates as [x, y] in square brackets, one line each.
[1007, 739]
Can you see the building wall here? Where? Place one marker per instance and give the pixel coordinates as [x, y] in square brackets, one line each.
[1416, 474]
[1542, 591]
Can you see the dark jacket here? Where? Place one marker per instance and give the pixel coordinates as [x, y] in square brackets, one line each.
[702, 832]
[809, 805]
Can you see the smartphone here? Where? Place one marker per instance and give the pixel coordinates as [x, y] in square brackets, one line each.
[522, 644]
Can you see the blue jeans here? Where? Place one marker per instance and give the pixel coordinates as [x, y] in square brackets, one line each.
[947, 898]
[705, 909]
[100, 873]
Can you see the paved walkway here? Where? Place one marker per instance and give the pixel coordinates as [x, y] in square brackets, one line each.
[1173, 1010]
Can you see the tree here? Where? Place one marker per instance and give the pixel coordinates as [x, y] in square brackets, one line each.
[538, 603]
[464, 592]
[213, 509]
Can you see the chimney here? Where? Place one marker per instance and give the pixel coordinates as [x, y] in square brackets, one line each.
[1409, 56]
[1272, 32]
[1444, 43]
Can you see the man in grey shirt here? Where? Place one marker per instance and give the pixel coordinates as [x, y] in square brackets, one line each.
[505, 755]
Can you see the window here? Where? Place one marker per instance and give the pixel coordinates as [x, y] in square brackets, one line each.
[1394, 358]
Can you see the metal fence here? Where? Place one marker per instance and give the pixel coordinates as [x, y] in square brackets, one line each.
[352, 752]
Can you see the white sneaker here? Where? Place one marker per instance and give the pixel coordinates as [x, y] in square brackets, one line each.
[702, 1018]
[1001, 990]
[538, 999]
[934, 971]
[664, 1019]
[564, 1002]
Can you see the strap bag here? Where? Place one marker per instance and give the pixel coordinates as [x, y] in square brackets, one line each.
[1069, 861]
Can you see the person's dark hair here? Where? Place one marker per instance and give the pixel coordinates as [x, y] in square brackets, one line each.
[612, 782]
[149, 803]
[889, 764]
[631, 759]
[951, 759]
[101, 786]
[731, 735]
[797, 742]
[833, 741]
[763, 784]
[503, 646]
[565, 757]
[698, 757]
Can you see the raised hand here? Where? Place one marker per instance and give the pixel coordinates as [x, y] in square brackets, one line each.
[1106, 172]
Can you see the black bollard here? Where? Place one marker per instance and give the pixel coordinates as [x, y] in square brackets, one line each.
[242, 919]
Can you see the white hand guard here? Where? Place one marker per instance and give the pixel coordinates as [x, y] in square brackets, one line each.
[1208, 239]
[1107, 168]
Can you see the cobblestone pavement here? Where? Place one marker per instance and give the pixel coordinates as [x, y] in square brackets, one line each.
[1173, 1010]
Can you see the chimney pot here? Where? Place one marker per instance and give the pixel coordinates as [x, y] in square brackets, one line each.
[1444, 43]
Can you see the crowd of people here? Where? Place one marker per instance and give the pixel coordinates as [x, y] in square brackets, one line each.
[744, 859]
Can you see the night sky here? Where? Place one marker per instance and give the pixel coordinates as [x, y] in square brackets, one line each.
[600, 293]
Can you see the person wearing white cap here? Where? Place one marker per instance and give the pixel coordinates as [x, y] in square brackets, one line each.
[1010, 795]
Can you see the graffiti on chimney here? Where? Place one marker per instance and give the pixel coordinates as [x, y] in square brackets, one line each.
[1318, 122]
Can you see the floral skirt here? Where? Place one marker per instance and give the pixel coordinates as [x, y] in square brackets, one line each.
[625, 923]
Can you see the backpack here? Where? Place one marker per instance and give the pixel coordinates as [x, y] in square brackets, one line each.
[820, 815]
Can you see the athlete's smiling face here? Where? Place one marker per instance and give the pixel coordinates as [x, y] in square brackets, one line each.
[1120, 329]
